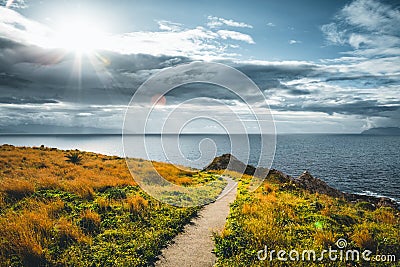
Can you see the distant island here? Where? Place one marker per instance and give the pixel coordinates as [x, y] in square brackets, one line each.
[383, 131]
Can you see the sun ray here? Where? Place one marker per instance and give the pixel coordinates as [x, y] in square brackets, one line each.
[80, 35]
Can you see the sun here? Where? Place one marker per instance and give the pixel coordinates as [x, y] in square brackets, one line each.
[80, 35]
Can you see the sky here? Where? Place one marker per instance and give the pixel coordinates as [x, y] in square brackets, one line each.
[323, 67]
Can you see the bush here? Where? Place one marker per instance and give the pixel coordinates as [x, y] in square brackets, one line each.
[90, 222]
[136, 203]
[16, 188]
[74, 157]
[365, 205]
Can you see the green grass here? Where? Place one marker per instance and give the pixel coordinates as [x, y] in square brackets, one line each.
[283, 217]
[58, 213]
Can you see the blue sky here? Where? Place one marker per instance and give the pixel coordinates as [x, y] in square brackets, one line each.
[273, 23]
[327, 66]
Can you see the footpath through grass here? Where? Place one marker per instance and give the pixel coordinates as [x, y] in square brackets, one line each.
[70, 208]
[284, 217]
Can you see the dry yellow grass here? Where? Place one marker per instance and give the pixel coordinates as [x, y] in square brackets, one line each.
[283, 217]
[363, 239]
[16, 188]
[28, 231]
[324, 238]
[24, 170]
[53, 210]
[136, 203]
[173, 174]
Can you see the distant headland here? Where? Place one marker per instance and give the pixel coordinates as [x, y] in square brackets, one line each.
[383, 131]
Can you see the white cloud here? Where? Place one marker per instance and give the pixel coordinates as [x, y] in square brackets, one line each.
[368, 26]
[270, 24]
[196, 43]
[20, 29]
[14, 3]
[172, 39]
[166, 25]
[216, 22]
[372, 15]
[225, 34]
[294, 42]
[332, 34]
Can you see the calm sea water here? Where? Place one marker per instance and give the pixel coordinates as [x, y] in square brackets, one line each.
[352, 163]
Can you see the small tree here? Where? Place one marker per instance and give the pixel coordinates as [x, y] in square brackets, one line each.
[74, 157]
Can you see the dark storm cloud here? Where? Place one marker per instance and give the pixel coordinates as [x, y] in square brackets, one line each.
[367, 81]
[30, 72]
[362, 108]
[137, 62]
[37, 83]
[12, 52]
[11, 80]
[29, 100]
[298, 92]
[278, 70]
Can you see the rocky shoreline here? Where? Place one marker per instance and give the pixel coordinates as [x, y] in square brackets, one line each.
[305, 181]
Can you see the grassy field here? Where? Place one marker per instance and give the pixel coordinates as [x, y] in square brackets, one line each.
[71, 208]
[283, 217]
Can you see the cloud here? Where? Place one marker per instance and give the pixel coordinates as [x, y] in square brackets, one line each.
[292, 42]
[40, 85]
[216, 22]
[333, 35]
[372, 16]
[334, 90]
[173, 39]
[320, 90]
[28, 100]
[368, 26]
[166, 25]
[225, 34]
[15, 27]
[14, 3]
[270, 24]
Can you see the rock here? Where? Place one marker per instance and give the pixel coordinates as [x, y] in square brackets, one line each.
[278, 176]
[305, 181]
[230, 162]
[315, 185]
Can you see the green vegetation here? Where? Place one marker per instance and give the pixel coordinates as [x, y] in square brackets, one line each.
[74, 157]
[60, 213]
[284, 217]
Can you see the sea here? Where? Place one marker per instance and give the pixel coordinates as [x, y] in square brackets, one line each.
[361, 164]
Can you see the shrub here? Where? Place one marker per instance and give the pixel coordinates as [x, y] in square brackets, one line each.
[103, 203]
[136, 203]
[16, 188]
[74, 157]
[385, 215]
[90, 222]
[115, 193]
[24, 235]
[68, 232]
[363, 239]
[363, 205]
[324, 239]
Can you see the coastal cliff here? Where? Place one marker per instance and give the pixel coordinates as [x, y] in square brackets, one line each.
[305, 181]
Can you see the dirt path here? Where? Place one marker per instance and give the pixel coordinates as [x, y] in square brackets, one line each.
[194, 246]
